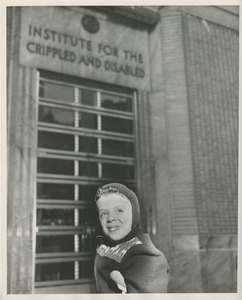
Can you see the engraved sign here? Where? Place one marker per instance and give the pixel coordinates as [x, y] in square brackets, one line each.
[53, 38]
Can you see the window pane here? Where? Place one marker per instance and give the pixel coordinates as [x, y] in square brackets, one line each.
[88, 243]
[87, 144]
[54, 140]
[55, 217]
[117, 125]
[116, 102]
[54, 271]
[118, 148]
[65, 191]
[52, 243]
[55, 166]
[88, 120]
[86, 269]
[118, 171]
[86, 218]
[87, 192]
[55, 191]
[66, 217]
[63, 271]
[88, 97]
[65, 243]
[56, 115]
[56, 91]
[88, 169]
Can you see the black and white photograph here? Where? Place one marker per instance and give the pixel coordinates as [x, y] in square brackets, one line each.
[122, 149]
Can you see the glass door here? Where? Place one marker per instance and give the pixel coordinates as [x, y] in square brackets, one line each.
[86, 138]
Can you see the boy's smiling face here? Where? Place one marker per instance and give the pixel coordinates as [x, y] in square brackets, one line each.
[115, 215]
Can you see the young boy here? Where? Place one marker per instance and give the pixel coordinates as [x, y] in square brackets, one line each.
[126, 260]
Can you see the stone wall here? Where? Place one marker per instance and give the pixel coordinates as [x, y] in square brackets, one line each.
[194, 104]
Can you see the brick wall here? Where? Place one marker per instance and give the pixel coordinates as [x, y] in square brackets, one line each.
[212, 62]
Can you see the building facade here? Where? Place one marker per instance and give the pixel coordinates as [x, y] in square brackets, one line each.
[146, 96]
